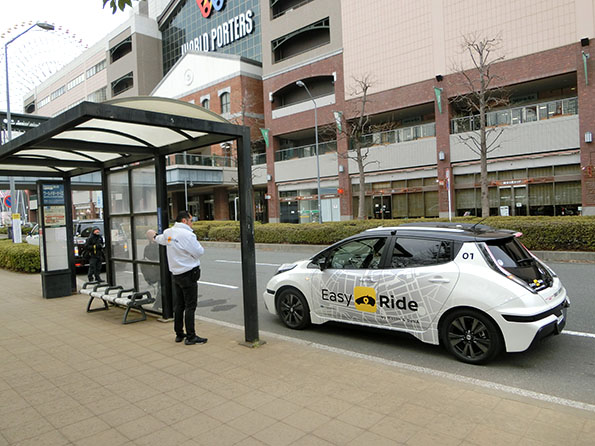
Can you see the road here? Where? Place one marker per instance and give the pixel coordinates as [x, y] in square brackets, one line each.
[561, 366]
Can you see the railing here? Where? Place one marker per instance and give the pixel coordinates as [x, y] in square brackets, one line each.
[278, 13]
[399, 135]
[201, 160]
[259, 158]
[305, 151]
[517, 115]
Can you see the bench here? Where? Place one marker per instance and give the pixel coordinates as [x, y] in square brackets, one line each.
[117, 295]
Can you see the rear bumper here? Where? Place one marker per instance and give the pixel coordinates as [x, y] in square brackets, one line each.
[522, 332]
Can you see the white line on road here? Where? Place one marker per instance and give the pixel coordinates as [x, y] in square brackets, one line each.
[219, 284]
[579, 333]
[424, 370]
[258, 264]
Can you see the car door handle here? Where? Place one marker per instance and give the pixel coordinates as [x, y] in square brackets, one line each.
[364, 280]
[439, 280]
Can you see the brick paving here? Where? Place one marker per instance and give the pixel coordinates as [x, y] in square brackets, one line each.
[68, 377]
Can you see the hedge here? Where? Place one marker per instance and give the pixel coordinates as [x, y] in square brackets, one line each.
[539, 233]
[19, 256]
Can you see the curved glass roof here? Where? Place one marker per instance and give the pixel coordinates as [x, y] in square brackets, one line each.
[92, 136]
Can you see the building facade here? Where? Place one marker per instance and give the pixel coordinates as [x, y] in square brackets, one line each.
[127, 62]
[293, 69]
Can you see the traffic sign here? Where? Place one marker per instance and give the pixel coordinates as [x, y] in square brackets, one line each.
[8, 201]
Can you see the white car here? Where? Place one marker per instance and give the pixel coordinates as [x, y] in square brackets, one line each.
[33, 237]
[472, 288]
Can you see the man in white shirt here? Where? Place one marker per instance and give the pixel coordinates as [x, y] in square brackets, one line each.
[183, 251]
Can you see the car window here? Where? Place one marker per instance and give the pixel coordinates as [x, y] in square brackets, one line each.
[414, 252]
[357, 254]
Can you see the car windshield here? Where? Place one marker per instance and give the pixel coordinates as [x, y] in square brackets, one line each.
[513, 257]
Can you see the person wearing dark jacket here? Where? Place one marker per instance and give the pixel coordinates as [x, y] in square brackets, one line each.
[93, 249]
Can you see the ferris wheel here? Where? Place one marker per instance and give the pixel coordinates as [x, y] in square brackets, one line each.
[33, 58]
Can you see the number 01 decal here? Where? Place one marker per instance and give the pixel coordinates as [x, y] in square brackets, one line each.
[467, 255]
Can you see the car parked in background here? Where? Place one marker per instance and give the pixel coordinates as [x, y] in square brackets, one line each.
[472, 288]
[82, 229]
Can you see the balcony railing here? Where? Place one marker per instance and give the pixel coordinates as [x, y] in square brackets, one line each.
[201, 160]
[518, 115]
[399, 135]
[305, 151]
[259, 158]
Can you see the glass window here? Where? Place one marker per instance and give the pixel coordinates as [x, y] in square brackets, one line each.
[206, 104]
[121, 236]
[144, 192]
[412, 252]
[531, 113]
[225, 103]
[119, 201]
[357, 254]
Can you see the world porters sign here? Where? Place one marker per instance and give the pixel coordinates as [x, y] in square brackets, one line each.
[225, 33]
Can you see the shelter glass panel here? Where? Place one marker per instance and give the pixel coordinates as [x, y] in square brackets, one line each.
[144, 191]
[119, 193]
[120, 234]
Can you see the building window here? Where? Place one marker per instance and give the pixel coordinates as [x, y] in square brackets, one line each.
[121, 85]
[301, 40]
[30, 108]
[76, 81]
[96, 69]
[44, 101]
[280, 7]
[121, 49]
[57, 93]
[206, 104]
[98, 95]
[225, 103]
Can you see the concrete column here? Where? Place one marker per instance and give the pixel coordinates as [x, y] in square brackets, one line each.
[272, 191]
[443, 151]
[346, 199]
[221, 198]
[586, 115]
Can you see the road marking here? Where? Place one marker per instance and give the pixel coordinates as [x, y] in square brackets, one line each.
[424, 370]
[579, 333]
[219, 285]
[258, 264]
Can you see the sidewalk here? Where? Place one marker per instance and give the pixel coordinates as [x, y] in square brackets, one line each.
[71, 377]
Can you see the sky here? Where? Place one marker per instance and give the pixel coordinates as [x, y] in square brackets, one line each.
[37, 54]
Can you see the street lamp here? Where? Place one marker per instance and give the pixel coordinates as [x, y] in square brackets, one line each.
[42, 25]
[47, 27]
[302, 85]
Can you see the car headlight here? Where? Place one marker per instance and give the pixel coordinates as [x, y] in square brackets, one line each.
[285, 267]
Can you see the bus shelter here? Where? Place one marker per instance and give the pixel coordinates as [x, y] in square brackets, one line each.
[127, 140]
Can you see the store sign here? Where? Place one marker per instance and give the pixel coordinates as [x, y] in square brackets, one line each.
[224, 34]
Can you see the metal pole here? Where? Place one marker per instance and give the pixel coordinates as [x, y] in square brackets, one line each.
[186, 192]
[301, 84]
[42, 25]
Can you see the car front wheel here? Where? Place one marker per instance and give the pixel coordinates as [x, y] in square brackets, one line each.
[471, 336]
[293, 309]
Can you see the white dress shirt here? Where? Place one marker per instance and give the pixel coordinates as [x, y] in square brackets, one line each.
[183, 249]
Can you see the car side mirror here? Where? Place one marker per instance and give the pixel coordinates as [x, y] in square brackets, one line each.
[322, 263]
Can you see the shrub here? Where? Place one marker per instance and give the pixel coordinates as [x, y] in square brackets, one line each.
[539, 233]
[19, 257]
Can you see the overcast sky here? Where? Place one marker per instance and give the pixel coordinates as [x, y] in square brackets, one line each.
[38, 53]
[85, 18]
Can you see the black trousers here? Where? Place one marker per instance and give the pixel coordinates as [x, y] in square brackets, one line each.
[94, 268]
[185, 301]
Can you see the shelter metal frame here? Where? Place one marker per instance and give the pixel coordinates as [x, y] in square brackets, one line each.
[102, 136]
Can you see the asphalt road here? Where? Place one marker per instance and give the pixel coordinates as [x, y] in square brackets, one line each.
[561, 366]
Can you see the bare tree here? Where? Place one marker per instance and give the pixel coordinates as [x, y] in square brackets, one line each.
[481, 95]
[354, 128]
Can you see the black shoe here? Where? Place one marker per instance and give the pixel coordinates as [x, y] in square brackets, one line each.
[180, 338]
[195, 340]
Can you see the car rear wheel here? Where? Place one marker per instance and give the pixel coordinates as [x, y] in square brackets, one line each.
[471, 336]
[292, 309]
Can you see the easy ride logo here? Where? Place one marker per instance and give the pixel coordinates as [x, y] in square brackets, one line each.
[206, 6]
[365, 299]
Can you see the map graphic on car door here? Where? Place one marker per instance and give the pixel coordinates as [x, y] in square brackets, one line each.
[407, 294]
